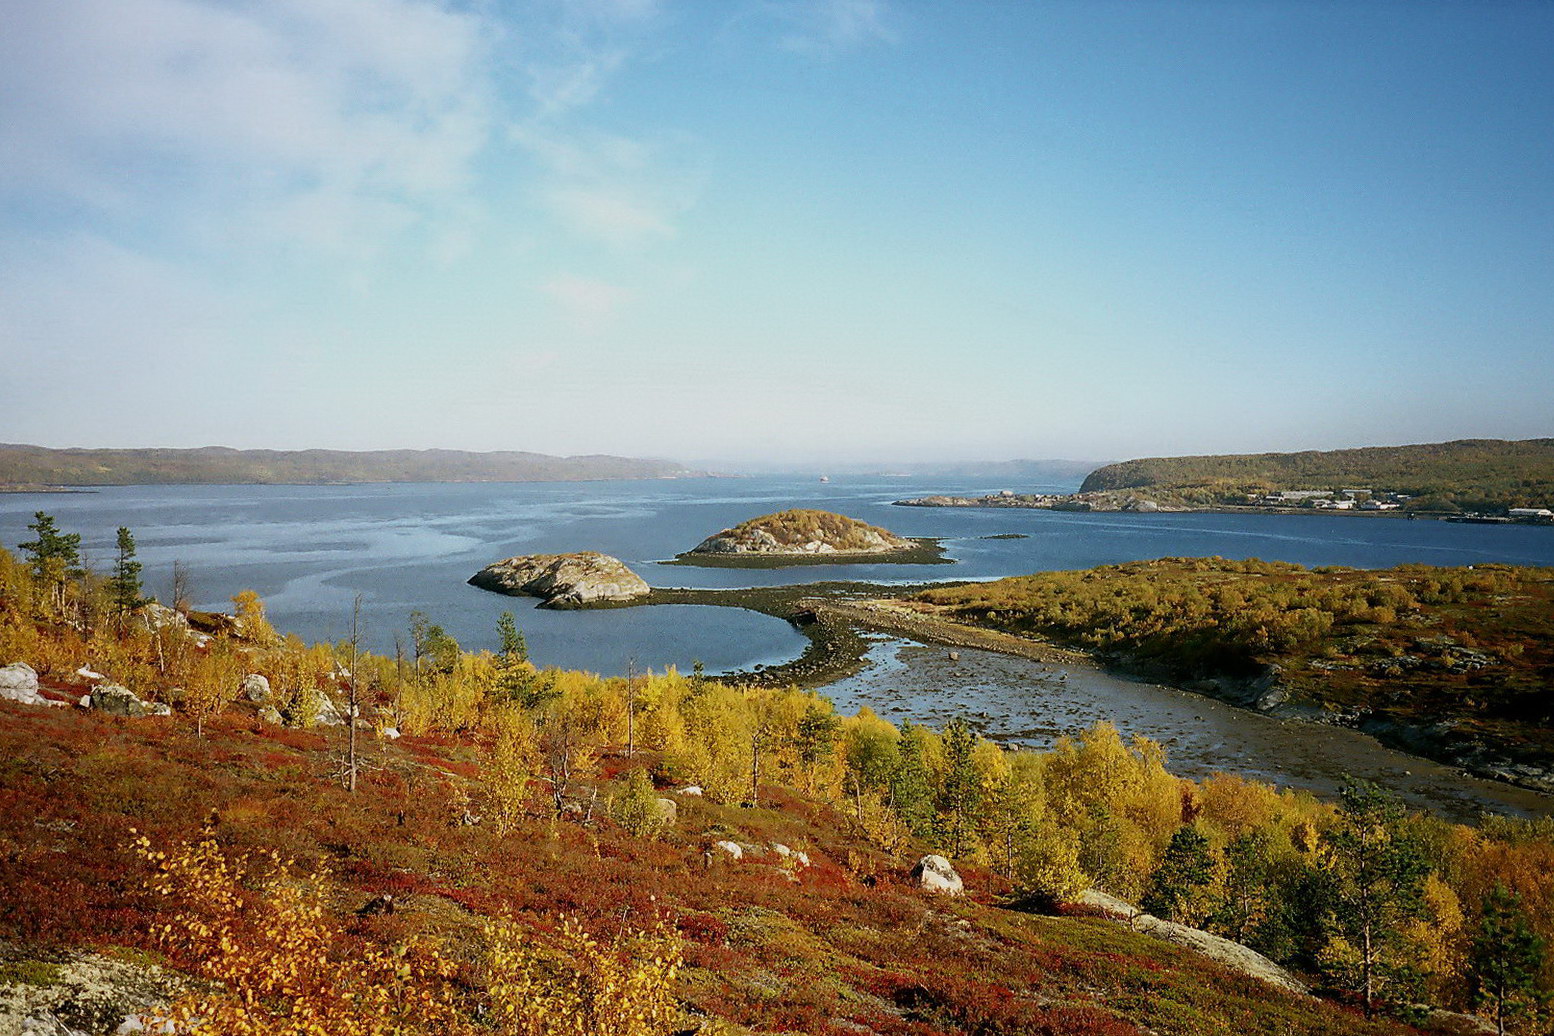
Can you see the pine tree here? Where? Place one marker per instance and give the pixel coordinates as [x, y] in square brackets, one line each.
[1507, 956]
[1375, 870]
[124, 587]
[911, 791]
[512, 665]
[960, 796]
[1176, 887]
[55, 557]
[514, 647]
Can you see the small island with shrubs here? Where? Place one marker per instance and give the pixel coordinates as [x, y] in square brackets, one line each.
[809, 537]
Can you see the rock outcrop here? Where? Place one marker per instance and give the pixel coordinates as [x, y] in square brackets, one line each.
[563, 580]
[116, 700]
[153, 616]
[19, 683]
[803, 532]
[1231, 954]
[934, 874]
[84, 994]
[256, 688]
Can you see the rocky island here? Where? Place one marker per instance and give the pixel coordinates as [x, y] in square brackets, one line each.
[798, 537]
[563, 580]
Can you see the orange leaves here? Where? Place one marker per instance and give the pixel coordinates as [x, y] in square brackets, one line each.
[271, 957]
[579, 986]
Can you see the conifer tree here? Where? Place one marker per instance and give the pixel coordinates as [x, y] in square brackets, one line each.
[512, 666]
[1507, 956]
[1375, 870]
[1176, 887]
[55, 557]
[911, 790]
[124, 587]
[515, 648]
[961, 794]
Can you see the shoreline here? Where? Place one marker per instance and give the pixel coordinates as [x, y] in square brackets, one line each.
[998, 504]
[926, 550]
[831, 615]
[889, 616]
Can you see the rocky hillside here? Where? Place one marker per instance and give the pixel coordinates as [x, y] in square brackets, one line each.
[563, 580]
[785, 918]
[803, 532]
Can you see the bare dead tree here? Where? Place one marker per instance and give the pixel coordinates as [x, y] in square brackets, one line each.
[182, 588]
[354, 691]
[631, 706]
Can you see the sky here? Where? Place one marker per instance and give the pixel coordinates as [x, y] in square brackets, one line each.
[774, 231]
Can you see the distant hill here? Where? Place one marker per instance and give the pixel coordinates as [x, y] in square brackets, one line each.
[219, 464]
[1470, 474]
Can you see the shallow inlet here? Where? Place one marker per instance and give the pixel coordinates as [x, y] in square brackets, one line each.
[1021, 702]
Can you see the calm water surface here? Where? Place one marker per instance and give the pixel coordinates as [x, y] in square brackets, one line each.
[309, 550]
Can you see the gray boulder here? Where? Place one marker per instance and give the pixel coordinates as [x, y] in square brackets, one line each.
[256, 688]
[19, 683]
[1231, 954]
[271, 715]
[669, 811]
[115, 700]
[329, 714]
[934, 874]
[154, 616]
[563, 580]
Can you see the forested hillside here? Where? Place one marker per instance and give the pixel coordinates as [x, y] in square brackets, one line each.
[1469, 474]
[39, 465]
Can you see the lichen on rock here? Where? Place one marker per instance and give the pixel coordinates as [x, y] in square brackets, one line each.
[563, 580]
[803, 532]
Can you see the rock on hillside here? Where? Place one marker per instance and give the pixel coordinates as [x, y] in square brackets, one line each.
[803, 532]
[19, 683]
[1231, 954]
[116, 700]
[563, 580]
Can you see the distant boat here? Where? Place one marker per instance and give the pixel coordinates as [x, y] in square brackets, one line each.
[825, 478]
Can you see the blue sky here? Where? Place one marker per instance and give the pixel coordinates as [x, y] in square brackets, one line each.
[776, 231]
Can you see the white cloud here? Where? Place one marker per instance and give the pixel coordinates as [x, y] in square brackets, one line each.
[590, 305]
[331, 123]
[625, 192]
[826, 28]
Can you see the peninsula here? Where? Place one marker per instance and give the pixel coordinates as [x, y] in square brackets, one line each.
[1469, 479]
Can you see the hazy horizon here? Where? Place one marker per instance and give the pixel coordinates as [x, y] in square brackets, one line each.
[800, 234]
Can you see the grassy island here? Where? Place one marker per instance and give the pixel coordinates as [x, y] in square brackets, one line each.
[809, 537]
